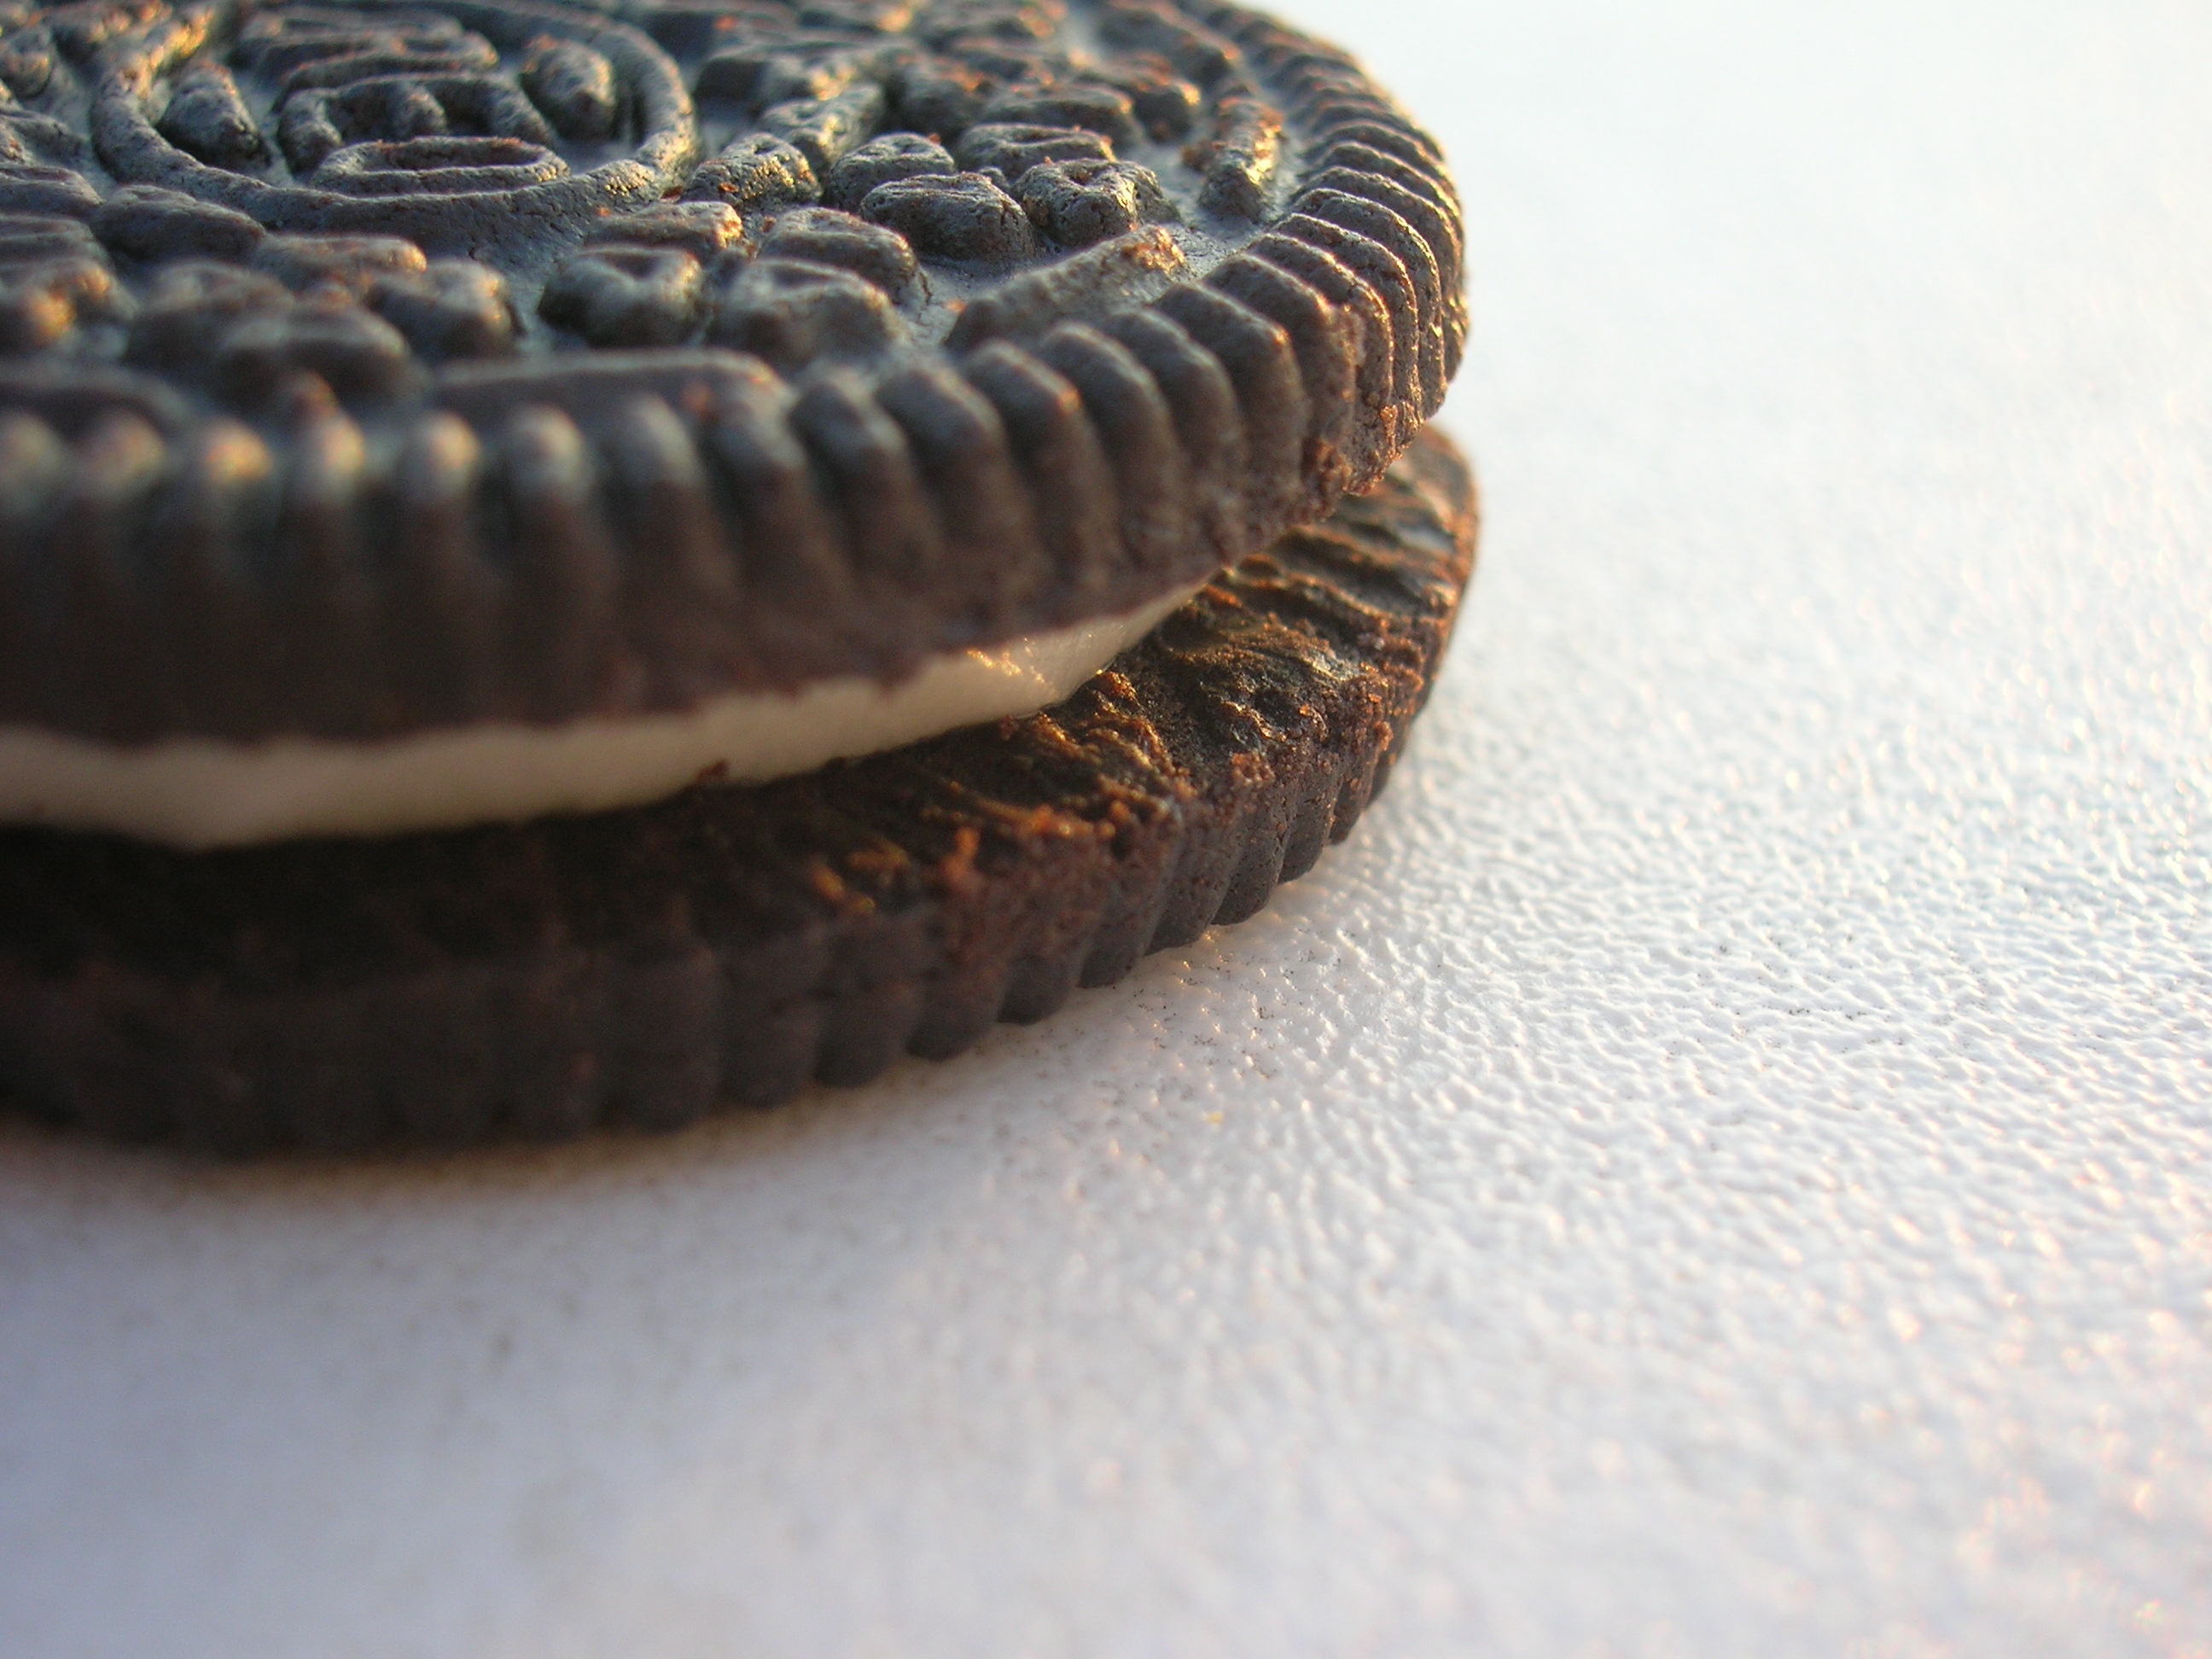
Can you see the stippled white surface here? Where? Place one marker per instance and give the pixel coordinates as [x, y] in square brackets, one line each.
[1721, 1166]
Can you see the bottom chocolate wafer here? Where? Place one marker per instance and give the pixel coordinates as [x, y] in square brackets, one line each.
[731, 943]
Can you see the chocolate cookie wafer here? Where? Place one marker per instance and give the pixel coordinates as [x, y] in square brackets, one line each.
[733, 943]
[382, 370]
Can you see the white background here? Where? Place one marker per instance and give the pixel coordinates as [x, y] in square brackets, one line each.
[1721, 1164]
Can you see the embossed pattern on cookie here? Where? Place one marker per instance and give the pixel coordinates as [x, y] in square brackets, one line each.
[376, 368]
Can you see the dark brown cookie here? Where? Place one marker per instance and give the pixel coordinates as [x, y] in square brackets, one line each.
[729, 944]
[793, 281]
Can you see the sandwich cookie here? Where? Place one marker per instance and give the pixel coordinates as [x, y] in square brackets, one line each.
[489, 422]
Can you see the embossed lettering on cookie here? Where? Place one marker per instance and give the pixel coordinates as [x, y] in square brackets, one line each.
[381, 369]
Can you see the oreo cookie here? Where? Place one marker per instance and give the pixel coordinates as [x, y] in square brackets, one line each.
[732, 943]
[472, 471]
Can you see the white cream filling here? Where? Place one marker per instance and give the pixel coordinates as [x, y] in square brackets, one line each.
[204, 792]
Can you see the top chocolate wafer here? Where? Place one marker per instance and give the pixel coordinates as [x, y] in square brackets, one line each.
[376, 369]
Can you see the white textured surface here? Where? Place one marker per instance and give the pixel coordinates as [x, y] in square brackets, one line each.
[1722, 1165]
